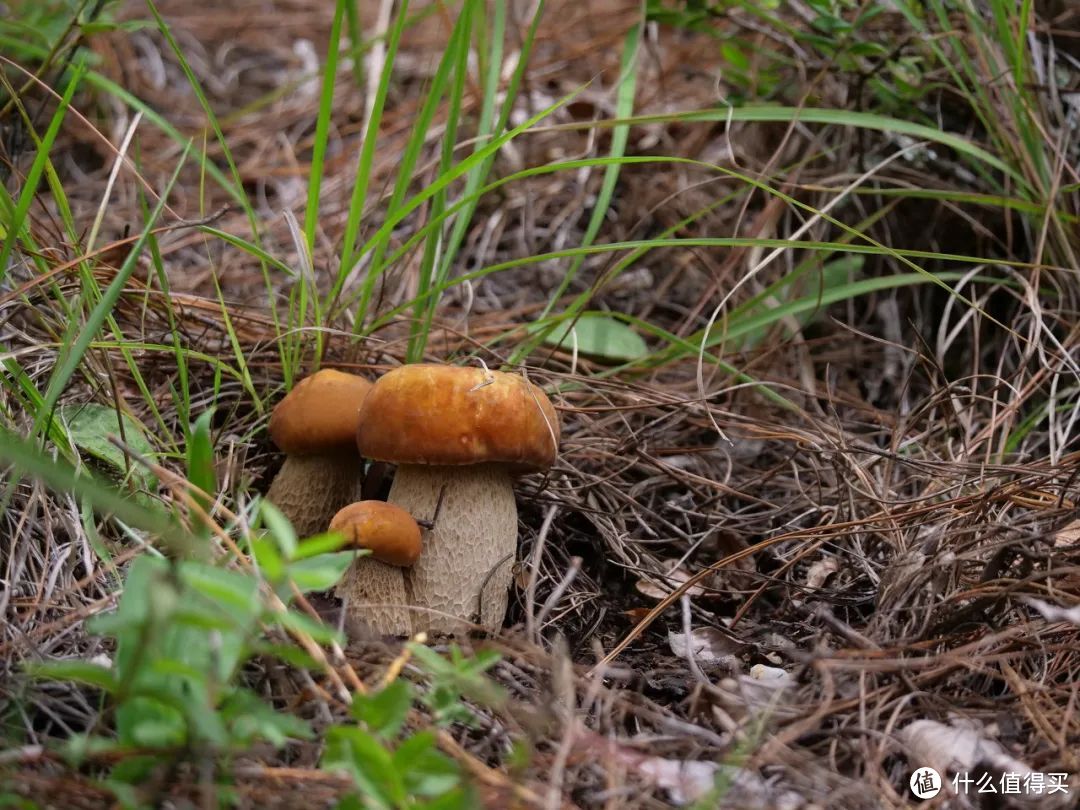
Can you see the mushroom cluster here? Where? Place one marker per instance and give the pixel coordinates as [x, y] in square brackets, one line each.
[459, 437]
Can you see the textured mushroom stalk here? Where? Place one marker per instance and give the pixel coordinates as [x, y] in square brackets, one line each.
[463, 575]
[310, 487]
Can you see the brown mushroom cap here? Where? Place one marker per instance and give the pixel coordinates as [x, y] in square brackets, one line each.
[388, 531]
[319, 414]
[447, 415]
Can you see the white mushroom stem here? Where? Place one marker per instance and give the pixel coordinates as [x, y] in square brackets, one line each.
[464, 571]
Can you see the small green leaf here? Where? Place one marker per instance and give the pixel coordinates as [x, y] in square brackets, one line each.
[284, 652]
[90, 425]
[735, 56]
[320, 544]
[357, 753]
[322, 572]
[279, 527]
[869, 49]
[428, 772]
[79, 747]
[385, 711]
[237, 592]
[249, 719]
[834, 275]
[291, 620]
[597, 334]
[200, 464]
[267, 555]
[81, 671]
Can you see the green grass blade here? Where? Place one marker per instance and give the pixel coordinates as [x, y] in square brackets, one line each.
[624, 109]
[71, 355]
[322, 125]
[14, 226]
[366, 159]
[62, 477]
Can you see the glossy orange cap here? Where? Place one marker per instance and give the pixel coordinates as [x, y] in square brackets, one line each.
[320, 413]
[387, 530]
[448, 415]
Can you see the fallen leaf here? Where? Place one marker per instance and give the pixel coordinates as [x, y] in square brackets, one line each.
[675, 577]
[90, 424]
[689, 781]
[1068, 535]
[773, 675]
[820, 572]
[711, 647]
[685, 782]
[959, 747]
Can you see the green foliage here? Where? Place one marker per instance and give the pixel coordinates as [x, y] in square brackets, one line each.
[841, 34]
[395, 768]
[89, 427]
[182, 632]
[200, 463]
[457, 677]
[55, 26]
[598, 334]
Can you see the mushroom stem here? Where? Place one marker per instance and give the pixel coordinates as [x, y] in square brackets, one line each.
[309, 489]
[465, 569]
[375, 599]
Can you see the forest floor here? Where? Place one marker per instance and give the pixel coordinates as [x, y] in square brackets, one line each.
[818, 531]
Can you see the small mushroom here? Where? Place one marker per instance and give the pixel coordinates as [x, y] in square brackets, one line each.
[373, 589]
[315, 426]
[459, 436]
[387, 531]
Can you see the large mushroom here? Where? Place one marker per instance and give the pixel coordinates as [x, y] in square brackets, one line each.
[459, 434]
[315, 426]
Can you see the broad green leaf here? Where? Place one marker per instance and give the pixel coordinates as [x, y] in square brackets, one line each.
[249, 719]
[320, 544]
[91, 424]
[268, 557]
[358, 753]
[597, 334]
[280, 529]
[428, 772]
[300, 622]
[322, 572]
[200, 465]
[81, 671]
[384, 712]
[834, 275]
[236, 592]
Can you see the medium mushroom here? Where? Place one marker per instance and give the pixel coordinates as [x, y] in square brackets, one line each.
[315, 426]
[459, 435]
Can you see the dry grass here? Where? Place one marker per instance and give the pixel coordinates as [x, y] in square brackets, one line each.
[880, 541]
